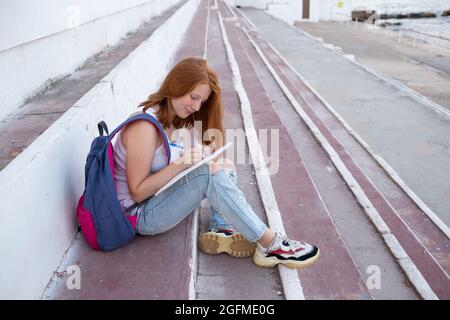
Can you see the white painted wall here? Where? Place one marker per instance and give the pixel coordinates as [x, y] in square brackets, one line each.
[320, 10]
[39, 189]
[335, 10]
[258, 4]
[286, 10]
[315, 8]
[46, 40]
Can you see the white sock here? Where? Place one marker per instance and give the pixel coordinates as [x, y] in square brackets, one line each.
[261, 247]
[264, 249]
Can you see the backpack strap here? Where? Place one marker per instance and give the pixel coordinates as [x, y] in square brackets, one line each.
[102, 127]
[140, 116]
[148, 117]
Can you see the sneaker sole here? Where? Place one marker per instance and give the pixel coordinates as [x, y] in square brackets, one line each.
[271, 262]
[235, 245]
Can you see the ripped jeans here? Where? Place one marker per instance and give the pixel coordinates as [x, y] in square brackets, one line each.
[164, 211]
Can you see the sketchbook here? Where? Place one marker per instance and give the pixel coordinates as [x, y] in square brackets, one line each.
[195, 166]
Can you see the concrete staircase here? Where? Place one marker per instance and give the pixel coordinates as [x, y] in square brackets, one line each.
[326, 187]
[45, 142]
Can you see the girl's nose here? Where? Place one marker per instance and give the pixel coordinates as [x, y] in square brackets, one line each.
[197, 106]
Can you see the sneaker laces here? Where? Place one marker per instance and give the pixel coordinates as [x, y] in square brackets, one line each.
[293, 244]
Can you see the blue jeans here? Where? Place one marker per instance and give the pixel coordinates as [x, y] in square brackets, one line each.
[163, 212]
[217, 221]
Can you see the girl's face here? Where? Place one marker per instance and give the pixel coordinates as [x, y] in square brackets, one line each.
[186, 105]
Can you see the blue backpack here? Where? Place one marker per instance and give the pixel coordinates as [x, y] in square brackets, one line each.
[103, 222]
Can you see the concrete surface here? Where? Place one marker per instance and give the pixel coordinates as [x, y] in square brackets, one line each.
[363, 242]
[145, 268]
[410, 136]
[51, 40]
[320, 209]
[222, 276]
[39, 188]
[422, 67]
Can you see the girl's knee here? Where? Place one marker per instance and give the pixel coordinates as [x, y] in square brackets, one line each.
[222, 164]
[214, 168]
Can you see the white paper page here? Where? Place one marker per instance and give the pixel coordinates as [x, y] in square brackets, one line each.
[195, 166]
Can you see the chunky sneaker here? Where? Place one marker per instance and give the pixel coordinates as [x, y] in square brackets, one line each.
[291, 253]
[226, 240]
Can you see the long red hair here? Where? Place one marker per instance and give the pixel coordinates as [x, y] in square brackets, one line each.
[181, 80]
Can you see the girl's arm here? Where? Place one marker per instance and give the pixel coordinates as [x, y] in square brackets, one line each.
[140, 138]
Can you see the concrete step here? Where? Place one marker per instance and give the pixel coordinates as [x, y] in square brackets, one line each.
[157, 278]
[308, 192]
[422, 239]
[145, 268]
[52, 153]
[426, 242]
[415, 132]
[222, 276]
[364, 243]
[304, 214]
[22, 127]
